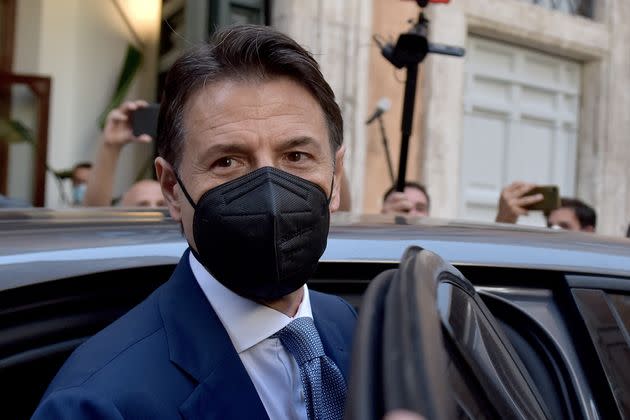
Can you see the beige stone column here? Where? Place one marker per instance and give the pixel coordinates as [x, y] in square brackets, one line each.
[604, 160]
[443, 116]
[338, 34]
[614, 208]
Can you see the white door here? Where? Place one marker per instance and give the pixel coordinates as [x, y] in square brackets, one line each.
[520, 123]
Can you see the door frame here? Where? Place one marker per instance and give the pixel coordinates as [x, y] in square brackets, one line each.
[7, 27]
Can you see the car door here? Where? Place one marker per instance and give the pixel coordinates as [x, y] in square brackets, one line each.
[604, 307]
[427, 318]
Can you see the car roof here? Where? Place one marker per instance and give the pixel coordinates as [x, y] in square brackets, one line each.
[39, 245]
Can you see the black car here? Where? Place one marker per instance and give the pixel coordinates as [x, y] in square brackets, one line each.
[548, 327]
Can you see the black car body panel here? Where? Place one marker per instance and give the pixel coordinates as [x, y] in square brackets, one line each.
[66, 274]
[37, 245]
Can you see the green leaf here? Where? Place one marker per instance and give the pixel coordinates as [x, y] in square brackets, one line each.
[131, 65]
[13, 131]
[62, 173]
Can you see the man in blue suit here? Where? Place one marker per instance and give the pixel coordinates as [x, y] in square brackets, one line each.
[250, 163]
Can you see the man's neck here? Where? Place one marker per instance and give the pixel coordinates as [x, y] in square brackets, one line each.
[287, 304]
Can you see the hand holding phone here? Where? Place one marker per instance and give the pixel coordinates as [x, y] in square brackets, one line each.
[518, 198]
[144, 120]
[550, 200]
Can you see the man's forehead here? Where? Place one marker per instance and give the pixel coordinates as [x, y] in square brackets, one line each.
[228, 91]
[415, 194]
[564, 214]
[565, 211]
[225, 106]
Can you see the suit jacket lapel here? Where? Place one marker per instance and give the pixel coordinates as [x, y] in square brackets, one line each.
[335, 346]
[199, 345]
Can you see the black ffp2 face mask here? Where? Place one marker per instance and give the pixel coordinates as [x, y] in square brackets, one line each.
[261, 235]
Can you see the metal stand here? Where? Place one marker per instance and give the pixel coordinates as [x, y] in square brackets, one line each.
[409, 51]
[386, 147]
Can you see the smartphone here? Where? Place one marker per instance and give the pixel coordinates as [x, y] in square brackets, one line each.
[144, 120]
[550, 201]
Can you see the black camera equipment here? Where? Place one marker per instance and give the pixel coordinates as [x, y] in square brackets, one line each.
[410, 50]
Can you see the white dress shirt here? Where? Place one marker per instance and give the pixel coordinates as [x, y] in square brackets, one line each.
[272, 369]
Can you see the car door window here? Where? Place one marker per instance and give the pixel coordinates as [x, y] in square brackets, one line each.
[607, 317]
[490, 355]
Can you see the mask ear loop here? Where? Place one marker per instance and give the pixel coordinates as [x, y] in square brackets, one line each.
[192, 203]
[181, 185]
[332, 184]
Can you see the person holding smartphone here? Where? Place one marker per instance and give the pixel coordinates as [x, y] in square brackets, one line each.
[571, 214]
[119, 132]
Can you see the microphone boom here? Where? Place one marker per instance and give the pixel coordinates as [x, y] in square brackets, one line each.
[383, 105]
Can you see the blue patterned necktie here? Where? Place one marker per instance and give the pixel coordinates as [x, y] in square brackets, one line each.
[324, 386]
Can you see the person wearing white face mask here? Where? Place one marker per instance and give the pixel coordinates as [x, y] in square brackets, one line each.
[80, 176]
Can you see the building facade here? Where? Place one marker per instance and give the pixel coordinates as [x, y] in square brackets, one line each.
[540, 95]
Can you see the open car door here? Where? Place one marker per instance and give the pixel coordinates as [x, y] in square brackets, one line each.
[427, 343]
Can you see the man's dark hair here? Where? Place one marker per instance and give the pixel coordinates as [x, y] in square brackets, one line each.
[82, 165]
[240, 53]
[628, 232]
[410, 184]
[585, 214]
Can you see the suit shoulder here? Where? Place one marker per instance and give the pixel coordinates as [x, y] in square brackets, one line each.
[76, 403]
[332, 303]
[140, 327]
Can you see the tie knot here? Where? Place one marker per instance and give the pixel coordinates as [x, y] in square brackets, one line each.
[302, 340]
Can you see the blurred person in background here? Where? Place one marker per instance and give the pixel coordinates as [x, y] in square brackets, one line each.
[80, 175]
[413, 201]
[144, 193]
[117, 133]
[573, 214]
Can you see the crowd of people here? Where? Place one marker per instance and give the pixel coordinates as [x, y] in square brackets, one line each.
[92, 185]
[572, 213]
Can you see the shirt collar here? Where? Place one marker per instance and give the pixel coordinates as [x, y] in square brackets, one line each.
[246, 322]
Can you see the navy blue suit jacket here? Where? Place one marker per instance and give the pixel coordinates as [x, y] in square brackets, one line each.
[171, 357]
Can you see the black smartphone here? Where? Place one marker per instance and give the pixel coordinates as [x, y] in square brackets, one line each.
[550, 201]
[144, 120]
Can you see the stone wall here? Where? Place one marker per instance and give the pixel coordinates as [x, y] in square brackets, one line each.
[601, 45]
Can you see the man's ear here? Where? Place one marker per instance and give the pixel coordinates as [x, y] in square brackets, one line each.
[589, 228]
[338, 176]
[170, 188]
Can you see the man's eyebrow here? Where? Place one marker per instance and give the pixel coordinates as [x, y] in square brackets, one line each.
[223, 149]
[300, 142]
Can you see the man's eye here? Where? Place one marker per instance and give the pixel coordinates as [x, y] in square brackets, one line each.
[295, 156]
[224, 162]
